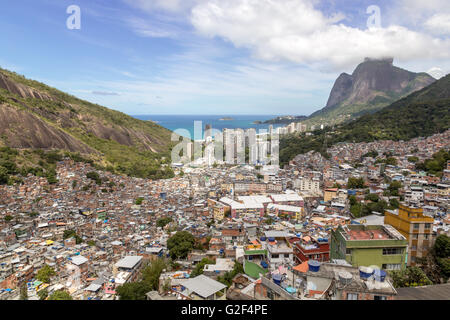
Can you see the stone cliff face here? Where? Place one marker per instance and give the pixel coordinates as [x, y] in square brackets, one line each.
[33, 115]
[373, 84]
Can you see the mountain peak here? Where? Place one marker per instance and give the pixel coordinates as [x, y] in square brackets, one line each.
[374, 84]
[389, 60]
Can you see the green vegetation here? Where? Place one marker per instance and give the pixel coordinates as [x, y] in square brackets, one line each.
[60, 295]
[42, 294]
[119, 142]
[436, 164]
[393, 189]
[16, 163]
[180, 244]
[133, 291]
[139, 201]
[437, 263]
[355, 183]
[45, 273]
[371, 154]
[94, 176]
[359, 209]
[423, 113]
[198, 270]
[227, 278]
[71, 233]
[23, 292]
[163, 222]
[149, 282]
[410, 277]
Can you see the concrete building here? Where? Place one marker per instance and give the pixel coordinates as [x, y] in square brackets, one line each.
[369, 245]
[416, 227]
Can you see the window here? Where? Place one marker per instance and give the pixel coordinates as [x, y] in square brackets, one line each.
[426, 236]
[415, 236]
[352, 296]
[391, 266]
[379, 298]
[348, 251]
[427, 225]
[392, 251]
[416, 226]
[275, 256]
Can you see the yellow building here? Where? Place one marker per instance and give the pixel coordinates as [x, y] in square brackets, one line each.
[219, 209]
[416, 227]
[330, 194]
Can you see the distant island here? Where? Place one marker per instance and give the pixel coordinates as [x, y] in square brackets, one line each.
[226, 119]
[257, 122]
[285, 119]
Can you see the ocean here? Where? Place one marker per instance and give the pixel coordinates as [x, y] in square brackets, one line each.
[173, 122]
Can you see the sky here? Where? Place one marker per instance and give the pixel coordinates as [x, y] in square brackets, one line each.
[277, 57]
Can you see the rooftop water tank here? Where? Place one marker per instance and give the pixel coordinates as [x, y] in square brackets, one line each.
[345, 277]
[263, 238]
[314, 265]
[365, 272]
[380, 275]
[271, 239]
[277, 279]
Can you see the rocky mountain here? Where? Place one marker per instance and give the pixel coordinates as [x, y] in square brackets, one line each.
[423, 113]
[36, 116]
[373, 85]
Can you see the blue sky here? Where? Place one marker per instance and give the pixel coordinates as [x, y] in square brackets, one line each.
[216, 56]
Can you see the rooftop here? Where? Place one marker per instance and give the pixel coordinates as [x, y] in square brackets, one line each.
[204, 286]
[128, 262]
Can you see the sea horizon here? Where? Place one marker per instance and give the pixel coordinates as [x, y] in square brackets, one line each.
[174, 122]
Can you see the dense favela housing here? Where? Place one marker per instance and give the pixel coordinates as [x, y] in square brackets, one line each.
[368, 223]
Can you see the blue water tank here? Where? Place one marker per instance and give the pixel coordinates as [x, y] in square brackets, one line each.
[380, 275]
[263, 238]
[277, 279]
[365, 272]
[271, 239]
[314, 265]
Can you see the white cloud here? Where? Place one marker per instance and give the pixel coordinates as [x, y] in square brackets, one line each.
[436, 72]
[295, 30]
[149, 29]
[439, 24]
[163, 5]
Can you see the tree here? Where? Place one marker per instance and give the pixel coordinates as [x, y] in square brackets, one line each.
[150, 275]
[227, 278]
[8, 218]
[60, 295]
[71, 233]
[372, 197]
[139, 201]
[45, 273]
[163, 222]
[355, 183]
[133, 290]
[394, 203]
[393, 188]
[23, 292]
[4, 176]
[42, 294]
[180, 244]
[95, 177]
[198, 270]
[441, 252]
[410, 277]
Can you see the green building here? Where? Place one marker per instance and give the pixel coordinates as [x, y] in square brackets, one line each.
[370, 245]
